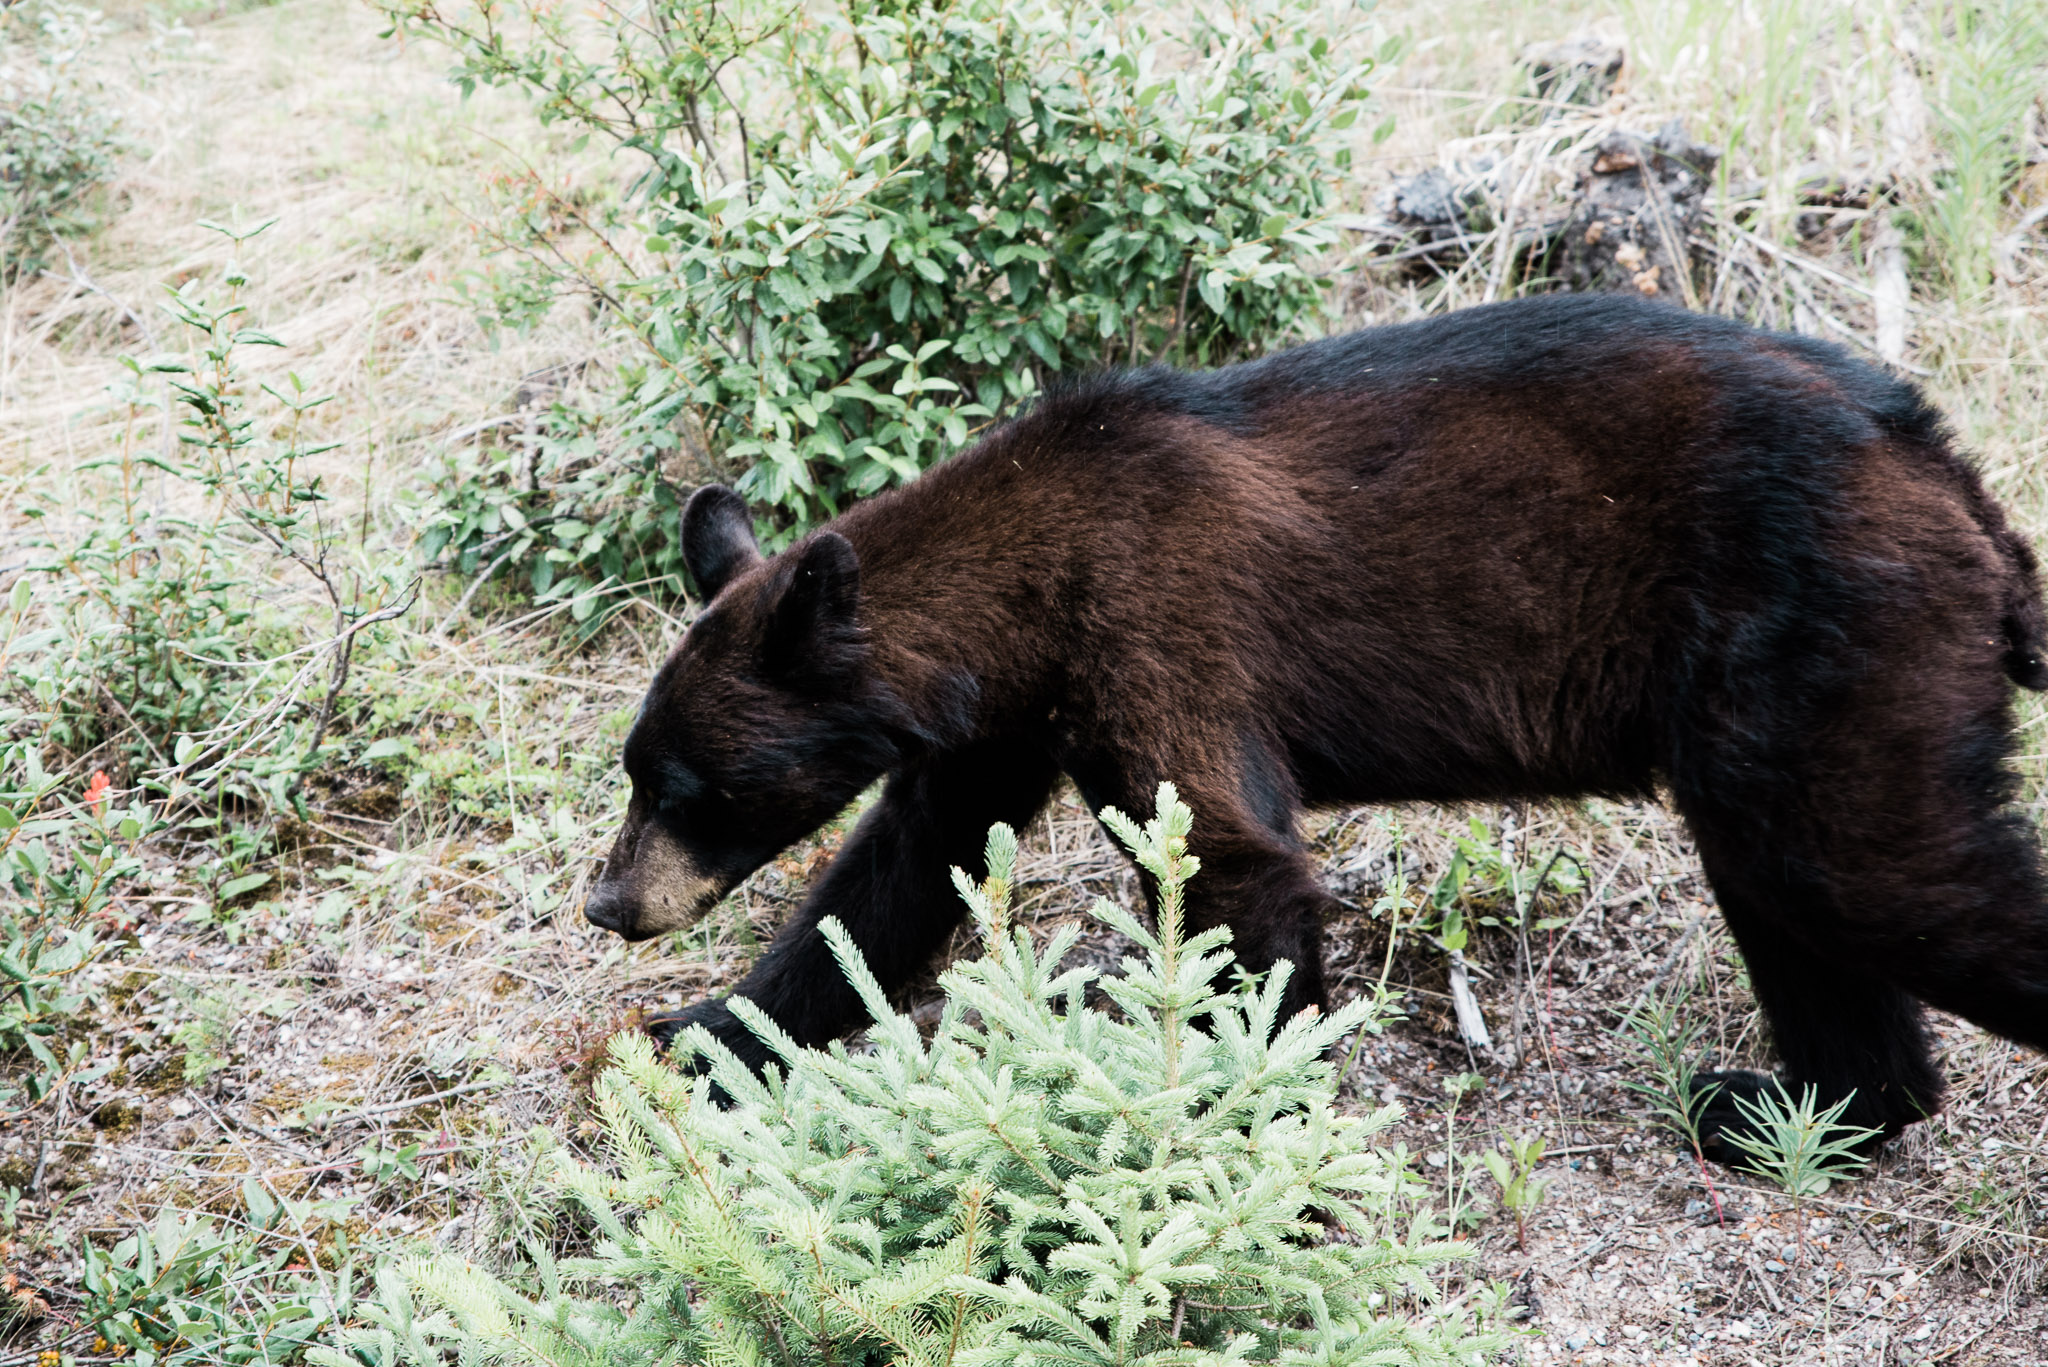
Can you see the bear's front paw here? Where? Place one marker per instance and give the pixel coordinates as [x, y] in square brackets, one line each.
[723, 1026]
[664, 1029]
[720, 1022]
[1723, 1123]
[1721, 1120]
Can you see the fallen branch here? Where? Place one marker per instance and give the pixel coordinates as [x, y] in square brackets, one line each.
[1471, 1022]
[414, 1102]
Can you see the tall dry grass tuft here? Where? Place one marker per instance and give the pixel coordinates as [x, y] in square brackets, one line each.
[373, 167]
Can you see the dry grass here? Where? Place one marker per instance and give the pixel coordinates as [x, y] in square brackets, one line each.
[372, 168]
[419, 973]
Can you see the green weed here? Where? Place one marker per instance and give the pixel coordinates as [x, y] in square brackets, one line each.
[1667, 1051]
[1514, 1172]
[1990, 58]
[1799, 1146]
[187, 1290]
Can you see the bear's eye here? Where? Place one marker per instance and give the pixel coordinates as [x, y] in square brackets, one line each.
[674, 784]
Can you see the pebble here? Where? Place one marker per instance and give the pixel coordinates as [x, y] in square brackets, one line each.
[1773, 1265]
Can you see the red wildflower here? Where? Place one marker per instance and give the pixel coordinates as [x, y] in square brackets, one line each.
[96, 791]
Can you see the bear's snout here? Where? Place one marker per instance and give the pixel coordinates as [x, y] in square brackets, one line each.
[650, 885]
[605, 909]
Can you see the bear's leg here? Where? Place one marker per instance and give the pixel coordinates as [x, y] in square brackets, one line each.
[1839, 1027]
[1880, 866]
[1255, 877]
[1970, 934]
[1268, 896]
[891, 885]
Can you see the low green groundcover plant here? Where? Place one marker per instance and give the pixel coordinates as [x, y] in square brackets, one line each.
[1039, 1182]
[184, 1291]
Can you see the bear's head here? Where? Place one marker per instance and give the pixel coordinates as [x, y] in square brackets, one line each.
[765, 721]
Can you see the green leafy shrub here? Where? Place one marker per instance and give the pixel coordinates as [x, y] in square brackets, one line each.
[65, 852]
[863, 228]
[172, 647]
[57, 142]
[1041, 1181]
[185, 1290]
[154, 641]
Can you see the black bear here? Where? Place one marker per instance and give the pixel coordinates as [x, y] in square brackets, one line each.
[1567, 545]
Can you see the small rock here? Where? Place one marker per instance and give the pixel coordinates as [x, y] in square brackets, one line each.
[1773, 1265]
[1427, 197]
[1576, 71]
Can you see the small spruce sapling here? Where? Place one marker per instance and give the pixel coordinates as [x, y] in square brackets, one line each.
[1037, 1182]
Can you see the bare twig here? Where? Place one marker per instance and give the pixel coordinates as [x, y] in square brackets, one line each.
[414, 1102]
[1890, 293]
[338, 680]
[440, 631]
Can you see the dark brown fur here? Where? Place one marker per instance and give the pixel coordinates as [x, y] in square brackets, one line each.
[1563, 546]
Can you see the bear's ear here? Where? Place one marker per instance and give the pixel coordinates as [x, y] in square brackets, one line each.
[718, 538]
[811, 628]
